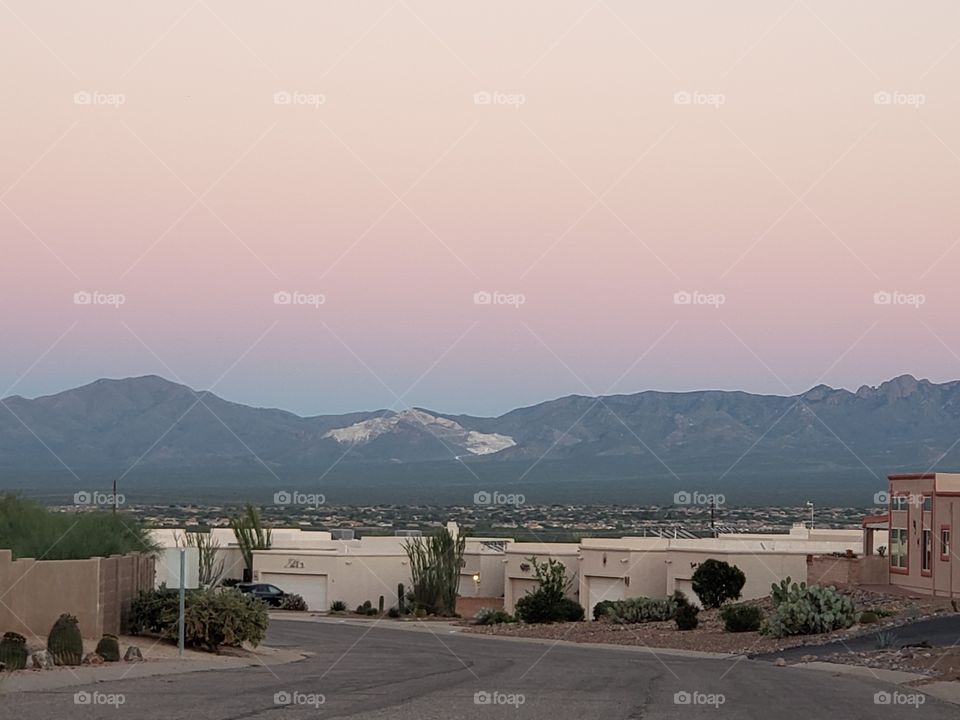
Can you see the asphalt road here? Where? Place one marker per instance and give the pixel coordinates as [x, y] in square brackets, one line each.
[941, 631]
[379, 672]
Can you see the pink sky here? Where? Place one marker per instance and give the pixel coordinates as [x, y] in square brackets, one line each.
[785, 187]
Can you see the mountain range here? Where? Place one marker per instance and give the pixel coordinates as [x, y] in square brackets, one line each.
[152, 425]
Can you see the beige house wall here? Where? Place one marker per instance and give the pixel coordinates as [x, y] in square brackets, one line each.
[98, 591]
[518, 571]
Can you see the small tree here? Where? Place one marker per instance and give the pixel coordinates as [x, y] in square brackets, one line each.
[435, 564]
[251, 535]
[715, 582]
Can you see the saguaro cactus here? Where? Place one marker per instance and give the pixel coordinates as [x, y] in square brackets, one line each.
[65, 642]
[401, 598]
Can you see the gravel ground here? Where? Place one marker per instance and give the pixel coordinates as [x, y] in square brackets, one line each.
[935, 663]
[710, 635]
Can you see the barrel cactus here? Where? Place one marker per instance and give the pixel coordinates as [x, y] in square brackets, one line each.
[65, 642]
[109, 648]
[13, 651]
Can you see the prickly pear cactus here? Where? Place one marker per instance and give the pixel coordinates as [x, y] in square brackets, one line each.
[803, 610]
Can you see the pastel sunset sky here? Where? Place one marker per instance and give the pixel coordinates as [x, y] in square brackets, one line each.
[756, 195]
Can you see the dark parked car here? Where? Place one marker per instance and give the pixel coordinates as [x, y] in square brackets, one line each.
[270, 594]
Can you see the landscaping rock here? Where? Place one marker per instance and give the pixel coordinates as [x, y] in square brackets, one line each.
[780, 662]
[133, 654]
[41, 660]
[93, 659]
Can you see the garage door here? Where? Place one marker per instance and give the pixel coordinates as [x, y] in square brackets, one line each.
[313, 588]
[602, 588]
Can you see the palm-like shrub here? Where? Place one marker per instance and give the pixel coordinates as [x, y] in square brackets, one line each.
[715, 582]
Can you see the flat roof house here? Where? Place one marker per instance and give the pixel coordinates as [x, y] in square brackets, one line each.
[924, 510]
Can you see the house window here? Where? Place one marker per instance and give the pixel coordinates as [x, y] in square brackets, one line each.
[944, 543]
[898, 503]
[927, 503]
[926, 562]
[898, 548]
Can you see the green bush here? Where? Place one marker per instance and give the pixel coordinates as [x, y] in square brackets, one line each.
[641, 610]
[31, 530]
[491, 616]
[338, 606]
[293, 602]
[13, 651]
[686, 614]
[600, 609]
[212, 617]
[808, 610]
[109, 648]
[868, 617]
[65, 643]
[548, 603]
[715, 582]
[741, 618]
[393, 612]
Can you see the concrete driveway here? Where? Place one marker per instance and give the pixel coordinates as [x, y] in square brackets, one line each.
[377, 671]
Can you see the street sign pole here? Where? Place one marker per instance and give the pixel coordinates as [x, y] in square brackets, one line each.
[183, 593]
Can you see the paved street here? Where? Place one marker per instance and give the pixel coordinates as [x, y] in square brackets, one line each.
[378, 672]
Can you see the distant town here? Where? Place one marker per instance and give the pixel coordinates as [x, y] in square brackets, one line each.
[523, 522]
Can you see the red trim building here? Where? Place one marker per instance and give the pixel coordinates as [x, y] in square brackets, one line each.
[924, 508]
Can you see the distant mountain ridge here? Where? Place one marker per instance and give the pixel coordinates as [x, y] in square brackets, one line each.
[150, 422]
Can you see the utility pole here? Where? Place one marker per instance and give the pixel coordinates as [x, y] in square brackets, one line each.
[713, 525]
[810, 505]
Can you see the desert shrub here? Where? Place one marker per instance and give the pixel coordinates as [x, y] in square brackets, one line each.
[741, 618]
[435, 564]
[600, 609]
[372, 611]
[807, 610]
[212, 617]
[868, 617]
[338, 606]
[548, 603]
[230, 582]
[641, 610]
[686, 613]
[491, 616]
[393, 612]
[109, 648]
[715, 582]
[365, 608]
[293, 602]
